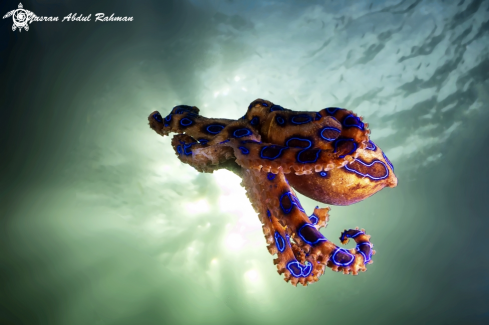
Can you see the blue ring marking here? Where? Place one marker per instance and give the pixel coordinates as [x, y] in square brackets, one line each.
[203, 141]
[255, 120]
[285, 210]
[183, 109]
[224, 141]
[243, 117]
[276, 108]
[185, 147]
[297, 202]
[368, 258]
[314, 219]
[295, 273]
[249, 106]
[243, 132]
[295, 138]
[271, 176]
[388, 161]
[157, 117]
[279, 242]
[371, 146]
[293, 121]
[345, 252]
[264, 104]
[369, 165]
[318, 116]
[323, 174]
[271, 158]
[307, 269]
[269, 215]
[168, 119]
[293, 201]
[186, 122]
[320, 239]
[298, 157]
[179, 149]
[244, 150]
[300, 270]
[288, 239]
[345, 234]
[214, 128]
[332, 110]
[328, 128]
[356, 122]
[280, 120]
[345, 140]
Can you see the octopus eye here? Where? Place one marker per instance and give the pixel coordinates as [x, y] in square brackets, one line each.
[239, 133]
[158, 117]
[264, 104]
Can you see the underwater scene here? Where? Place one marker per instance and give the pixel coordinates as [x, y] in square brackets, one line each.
[173, 162]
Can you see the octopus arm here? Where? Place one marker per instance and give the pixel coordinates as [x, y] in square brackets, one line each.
[302, 251]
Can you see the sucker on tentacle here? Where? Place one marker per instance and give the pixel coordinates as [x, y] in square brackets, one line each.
[326, 155]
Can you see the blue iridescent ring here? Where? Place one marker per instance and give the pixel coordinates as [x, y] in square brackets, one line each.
[214, 128]
[157, 117]
[186, 122]
[300, 119]
[243, 132]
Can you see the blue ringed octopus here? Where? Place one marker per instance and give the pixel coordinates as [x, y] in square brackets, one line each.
[326, 155]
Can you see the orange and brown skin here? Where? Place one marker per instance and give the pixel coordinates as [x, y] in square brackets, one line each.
[325, 155]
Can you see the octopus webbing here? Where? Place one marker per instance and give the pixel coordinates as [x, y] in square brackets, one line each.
[326, 155]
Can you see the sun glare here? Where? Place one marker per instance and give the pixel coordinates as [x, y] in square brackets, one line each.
[201, 206]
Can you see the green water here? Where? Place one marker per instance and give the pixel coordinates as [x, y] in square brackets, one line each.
[101, 224]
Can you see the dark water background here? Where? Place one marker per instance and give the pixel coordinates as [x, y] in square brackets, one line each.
[98, 220]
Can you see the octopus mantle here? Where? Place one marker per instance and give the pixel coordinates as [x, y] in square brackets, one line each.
[325, 155]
